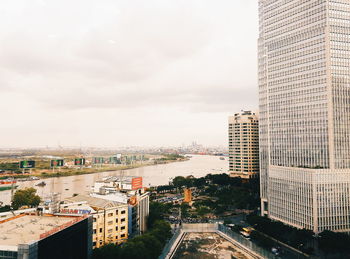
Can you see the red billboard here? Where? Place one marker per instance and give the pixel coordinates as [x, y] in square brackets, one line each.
[136, 183]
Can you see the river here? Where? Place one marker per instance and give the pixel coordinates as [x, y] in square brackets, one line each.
[197, 166]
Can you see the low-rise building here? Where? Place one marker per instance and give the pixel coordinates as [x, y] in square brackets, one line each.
[110, 218]
[118, 183]
[45, 236]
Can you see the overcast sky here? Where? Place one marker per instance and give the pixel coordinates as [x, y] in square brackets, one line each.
[111, 73]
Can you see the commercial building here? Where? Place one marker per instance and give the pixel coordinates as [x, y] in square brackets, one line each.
[118, 183]
[243, 132]
[304, 95]
[128, 190]
[41, 237]
[110, 218]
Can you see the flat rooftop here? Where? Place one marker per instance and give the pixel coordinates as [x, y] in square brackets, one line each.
[124, 179]
[28, 228]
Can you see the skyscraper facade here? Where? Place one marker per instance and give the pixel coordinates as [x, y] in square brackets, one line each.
[244, 145]
[304, 117]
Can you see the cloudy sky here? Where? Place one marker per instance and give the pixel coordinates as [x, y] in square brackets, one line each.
[112, 73]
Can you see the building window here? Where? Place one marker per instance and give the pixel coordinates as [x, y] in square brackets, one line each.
[122, 228]
[100, 230]
[123, 235]
[94, 219]
[116, 228]
[122, 220]
[110, 214]
[94, 231]
[123, 212]
[110, 222]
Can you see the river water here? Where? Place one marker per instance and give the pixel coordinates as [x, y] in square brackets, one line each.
[197, 166]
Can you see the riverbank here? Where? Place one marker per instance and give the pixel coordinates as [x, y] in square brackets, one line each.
[84, 171]
[153, 175]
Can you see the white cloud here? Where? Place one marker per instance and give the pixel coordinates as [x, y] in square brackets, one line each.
[126, 68]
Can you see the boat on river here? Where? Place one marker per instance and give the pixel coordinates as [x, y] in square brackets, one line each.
[41, 184]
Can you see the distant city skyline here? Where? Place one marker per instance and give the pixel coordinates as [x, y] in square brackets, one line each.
[124, 73]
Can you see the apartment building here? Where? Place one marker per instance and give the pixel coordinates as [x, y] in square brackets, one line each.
[110, 218]
[244, 145]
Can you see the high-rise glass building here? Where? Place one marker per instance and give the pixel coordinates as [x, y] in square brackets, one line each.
[304, 101]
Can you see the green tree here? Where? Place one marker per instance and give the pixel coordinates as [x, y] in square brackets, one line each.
[25, 197]
[147, 246]
[157, 211]
[180, 181]
[109, 251]
[203, 210]
[184, 210]
[5, 208]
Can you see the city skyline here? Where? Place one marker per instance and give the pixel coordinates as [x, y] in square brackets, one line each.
[116, 73]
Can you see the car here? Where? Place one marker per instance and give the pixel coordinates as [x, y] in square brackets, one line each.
[275, 251]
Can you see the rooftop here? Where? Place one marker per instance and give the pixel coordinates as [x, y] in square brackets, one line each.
[24, 229]
[94, 202]
[125, 179]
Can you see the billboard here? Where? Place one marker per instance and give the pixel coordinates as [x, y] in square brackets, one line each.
[27, 164]
[79, 161]
[136, 183]
[57, 163]
[75, 211]
[114, 160]
[98, 160]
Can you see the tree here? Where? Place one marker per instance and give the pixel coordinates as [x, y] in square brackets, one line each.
[180, 181]
[331, 242]
[109, 251]
[184, 210]
[5, 208]
[147, 246]
[25, 197]
[157, 211]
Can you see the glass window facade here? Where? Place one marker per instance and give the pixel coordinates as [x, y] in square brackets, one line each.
[304, 102]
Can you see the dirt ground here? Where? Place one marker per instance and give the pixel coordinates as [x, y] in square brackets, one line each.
[208, 246]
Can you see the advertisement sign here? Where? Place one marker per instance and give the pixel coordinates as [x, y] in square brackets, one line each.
[75, 211]
[136, 183]
[27, 164]
[114, 160]
[79, 161]
[57, 163]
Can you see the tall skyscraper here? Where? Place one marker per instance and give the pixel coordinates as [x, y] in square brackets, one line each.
[304, 117]
[244, 145]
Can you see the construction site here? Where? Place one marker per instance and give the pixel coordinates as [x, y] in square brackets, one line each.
[208, 246]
